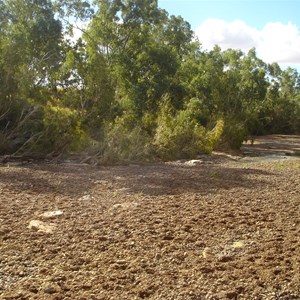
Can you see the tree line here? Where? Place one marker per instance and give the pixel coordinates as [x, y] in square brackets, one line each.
[136, 86]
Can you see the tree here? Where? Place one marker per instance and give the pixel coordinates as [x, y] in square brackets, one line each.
[110, 85]
[282, 105]
[30, 55]
[143, 48]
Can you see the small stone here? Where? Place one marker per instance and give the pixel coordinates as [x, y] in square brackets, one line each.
[42, 226]
[86, 198]
[51, 214]
[193, 162]
[51, 289]
[238, 244]
[207, 252]
[121, 262]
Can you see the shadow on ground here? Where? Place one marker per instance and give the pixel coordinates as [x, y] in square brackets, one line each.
[202, 179]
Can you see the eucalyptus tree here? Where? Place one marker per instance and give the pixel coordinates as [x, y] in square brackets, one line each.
[282, 107]
[142, 47]
[31, 42]
[30, 52]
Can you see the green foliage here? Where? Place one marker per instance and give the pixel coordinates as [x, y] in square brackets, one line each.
[126, 141]
[109, 86]
[214, 136]
[234, 134]
[61, 130]
[179, 134]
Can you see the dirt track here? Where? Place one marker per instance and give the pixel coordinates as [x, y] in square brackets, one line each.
[217, 228]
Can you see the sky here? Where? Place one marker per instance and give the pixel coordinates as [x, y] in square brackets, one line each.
[271, 26]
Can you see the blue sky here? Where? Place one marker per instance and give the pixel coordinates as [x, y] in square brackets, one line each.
[271, 26]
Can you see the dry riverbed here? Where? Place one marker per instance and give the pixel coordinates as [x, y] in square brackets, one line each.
[220, 227]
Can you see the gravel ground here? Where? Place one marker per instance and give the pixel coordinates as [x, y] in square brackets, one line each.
[220, 227]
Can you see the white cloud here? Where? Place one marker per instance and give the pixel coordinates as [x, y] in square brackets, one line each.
[275, 42]
[280, 43]
[234, 34]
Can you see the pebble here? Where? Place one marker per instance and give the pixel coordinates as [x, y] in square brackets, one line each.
[86, 198]
[51, 289]
[51, 214]
[42, 226]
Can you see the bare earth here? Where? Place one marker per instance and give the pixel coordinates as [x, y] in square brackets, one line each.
[221, 227]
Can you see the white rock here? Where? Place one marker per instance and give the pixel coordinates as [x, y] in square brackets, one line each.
[42, 226]
[193, 162]
[51, 214]
[86, 198]
[238, 244]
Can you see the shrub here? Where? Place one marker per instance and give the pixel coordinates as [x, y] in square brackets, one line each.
[61, 130]
[180, 135]
[214, 136]
[234, 133]
[126, 141]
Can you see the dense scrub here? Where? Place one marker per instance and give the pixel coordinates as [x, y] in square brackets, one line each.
[135, 86]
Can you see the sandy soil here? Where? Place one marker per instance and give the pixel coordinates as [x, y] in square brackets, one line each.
[272, 144]
[221, 227]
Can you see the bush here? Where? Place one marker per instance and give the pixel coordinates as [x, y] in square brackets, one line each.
[126, 141]
[214, 136]
[179, 134]
[61, 130]
[234, 134]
